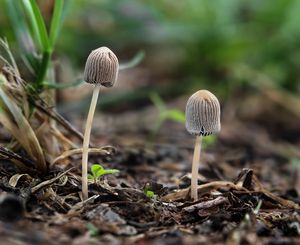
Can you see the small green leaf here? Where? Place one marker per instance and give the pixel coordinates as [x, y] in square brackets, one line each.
[90, 177]
[93, 230]
[96, 170]
[110, 171]
[150, 194]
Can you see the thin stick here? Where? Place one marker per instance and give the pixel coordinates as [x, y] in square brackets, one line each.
[195, 168]
[86, 141]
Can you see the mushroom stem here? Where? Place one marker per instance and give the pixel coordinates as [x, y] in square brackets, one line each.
[86, 141]
[195, 168]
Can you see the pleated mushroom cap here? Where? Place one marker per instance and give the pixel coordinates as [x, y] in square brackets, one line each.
[102, 67]
[203, 113]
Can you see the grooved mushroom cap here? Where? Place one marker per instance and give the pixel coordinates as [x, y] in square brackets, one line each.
[102, 67]
[203, 113]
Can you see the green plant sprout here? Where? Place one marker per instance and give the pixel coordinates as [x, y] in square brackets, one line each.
[164, 113]
[150, 194]
[92, 229]
[98, 171]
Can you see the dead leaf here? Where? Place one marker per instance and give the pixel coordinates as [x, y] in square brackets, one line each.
[13, 181]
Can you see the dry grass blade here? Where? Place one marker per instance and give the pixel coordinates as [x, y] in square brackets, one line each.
[13, 181]
[77, 208]
[43, 107]
[202, 190]
[21, 163]
[16, 123]
[49, 182]
[66, 154]
[12, 155]
[281, 201]
[207, 204]
[5, 46]
[65, 142]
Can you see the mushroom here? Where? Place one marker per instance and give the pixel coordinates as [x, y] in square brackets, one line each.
[101, 68]
[202, 119]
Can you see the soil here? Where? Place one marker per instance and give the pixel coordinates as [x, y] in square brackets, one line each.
[248, 188]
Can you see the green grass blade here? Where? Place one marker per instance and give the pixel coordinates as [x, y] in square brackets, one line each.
[158, 102]
[21, 30]
[43, 69]
[34, 24]
[5, 46]
[50, 85]
[134, 62]
[38, 23]
[56, 21]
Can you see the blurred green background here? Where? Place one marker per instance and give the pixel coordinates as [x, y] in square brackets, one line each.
[219, 45]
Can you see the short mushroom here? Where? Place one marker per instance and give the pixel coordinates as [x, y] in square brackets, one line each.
[202, 119]
[101, 68]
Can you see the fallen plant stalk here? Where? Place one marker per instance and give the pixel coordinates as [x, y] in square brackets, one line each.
[49, 182]
[66, 154]
[202, 190]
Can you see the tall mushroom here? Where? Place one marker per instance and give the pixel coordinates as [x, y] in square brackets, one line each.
[101, 68]
[202, 119]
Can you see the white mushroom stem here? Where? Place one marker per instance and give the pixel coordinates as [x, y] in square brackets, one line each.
[195, 168]
[86, 141]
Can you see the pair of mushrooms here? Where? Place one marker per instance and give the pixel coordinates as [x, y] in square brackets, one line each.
[202, 111]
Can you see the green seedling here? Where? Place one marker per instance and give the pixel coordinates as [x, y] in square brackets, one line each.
[98, 171]
[149, 193]
[92, 229]
[164, 113]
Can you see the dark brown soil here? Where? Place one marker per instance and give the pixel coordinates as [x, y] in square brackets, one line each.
[248, 188]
